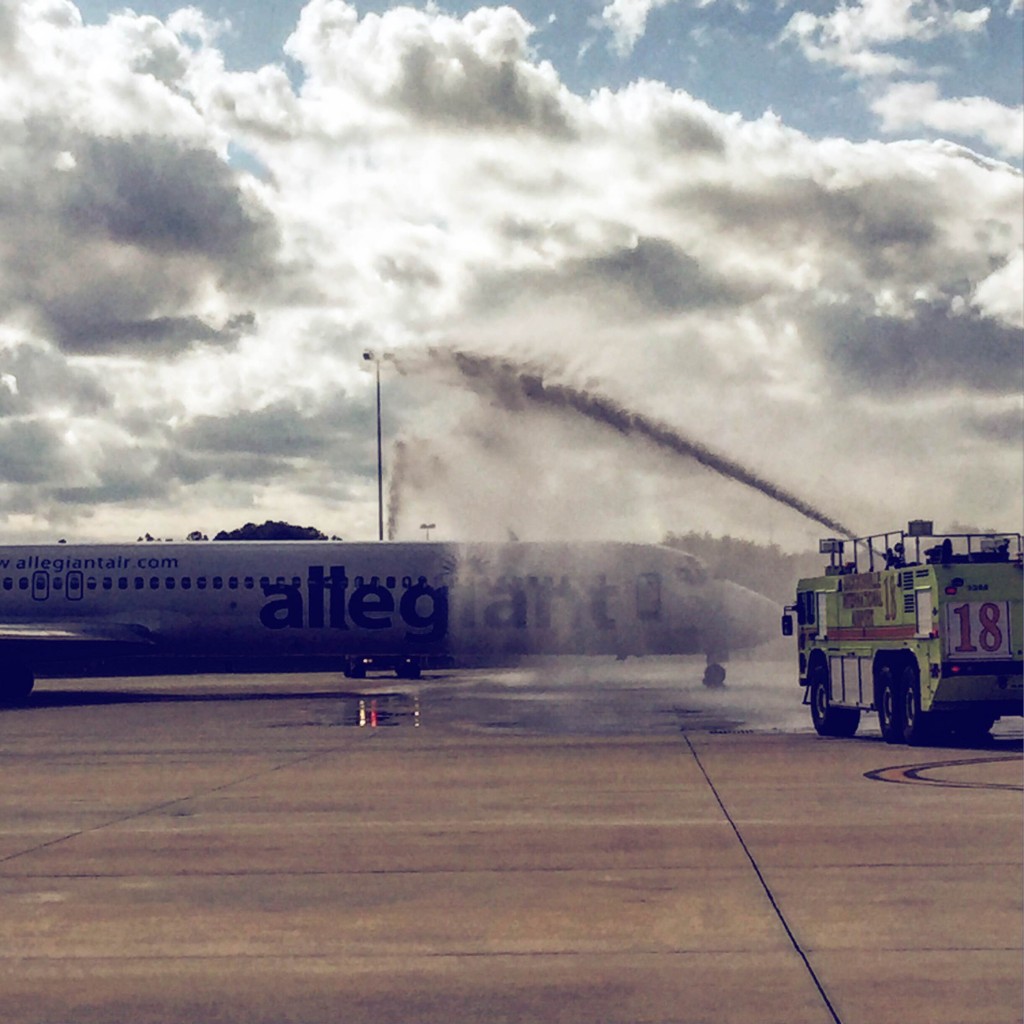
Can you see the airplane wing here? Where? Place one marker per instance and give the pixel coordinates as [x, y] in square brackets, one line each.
[74, 632]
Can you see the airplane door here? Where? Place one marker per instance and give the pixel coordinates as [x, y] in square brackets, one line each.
[40, 585]
[648, 596]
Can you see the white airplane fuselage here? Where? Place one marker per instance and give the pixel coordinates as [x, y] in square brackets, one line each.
[422, 600]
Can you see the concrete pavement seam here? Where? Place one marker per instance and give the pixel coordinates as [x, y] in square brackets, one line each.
[161, 806]
[764, 885]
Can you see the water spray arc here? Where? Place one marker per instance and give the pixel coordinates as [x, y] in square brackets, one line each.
[514, 386]
[399, 465]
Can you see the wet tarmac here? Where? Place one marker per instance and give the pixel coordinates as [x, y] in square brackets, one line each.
[545, 696]
[566, 842]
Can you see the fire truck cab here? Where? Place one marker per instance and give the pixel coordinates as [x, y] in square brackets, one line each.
[925, 630]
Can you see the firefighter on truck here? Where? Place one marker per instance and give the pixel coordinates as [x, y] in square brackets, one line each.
[925, 630]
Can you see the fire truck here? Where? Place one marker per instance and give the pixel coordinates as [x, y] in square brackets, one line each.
[924, 629]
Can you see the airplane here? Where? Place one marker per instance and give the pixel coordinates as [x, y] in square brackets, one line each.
[390, 605]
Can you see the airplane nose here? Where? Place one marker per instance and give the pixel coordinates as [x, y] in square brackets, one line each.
[751, 618]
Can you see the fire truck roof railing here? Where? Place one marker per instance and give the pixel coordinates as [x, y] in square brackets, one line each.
[918, 545]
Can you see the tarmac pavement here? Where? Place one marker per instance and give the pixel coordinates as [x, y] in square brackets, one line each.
[596, 844]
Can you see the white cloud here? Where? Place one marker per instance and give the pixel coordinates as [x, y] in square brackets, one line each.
[125, 76]
[856, 37]
[627, 20]
[429, 180]
[467, 73]
[870, 40]
[918, 104]
[1001, 294]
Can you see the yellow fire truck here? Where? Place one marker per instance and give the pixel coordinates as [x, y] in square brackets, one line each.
[926, 630]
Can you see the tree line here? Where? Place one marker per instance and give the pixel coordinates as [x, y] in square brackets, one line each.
[765, 568]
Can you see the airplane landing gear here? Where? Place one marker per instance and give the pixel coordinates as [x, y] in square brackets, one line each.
[355, 669]
[714, 674]
[16, 682]
[403, 667]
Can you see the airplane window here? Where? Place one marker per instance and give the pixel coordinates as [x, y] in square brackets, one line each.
[108, 583]
[186, 582]
[296, 582]
[391, 583]
[218, 582]
[169, 582]
[8, 583]
[58, 582]
[23, 583]
[122, 583]
[154, 582]
[139, 582]
[91, 583]
[233, 582]
[249, 583]
[201, 582]
[264, 581]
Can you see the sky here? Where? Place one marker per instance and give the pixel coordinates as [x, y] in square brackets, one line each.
[787, 235]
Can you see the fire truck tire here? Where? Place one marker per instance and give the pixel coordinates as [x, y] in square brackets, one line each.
[829, 720]
[890, 717]
[917, 724]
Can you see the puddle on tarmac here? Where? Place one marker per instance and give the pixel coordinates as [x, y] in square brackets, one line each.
[527, 704]
[374, 711]
[595, 698]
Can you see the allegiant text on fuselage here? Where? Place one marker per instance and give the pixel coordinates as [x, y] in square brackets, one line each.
[329, 599]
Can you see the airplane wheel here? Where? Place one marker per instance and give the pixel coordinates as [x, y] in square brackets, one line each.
[714, 676]
[16, 683]
[889, 712]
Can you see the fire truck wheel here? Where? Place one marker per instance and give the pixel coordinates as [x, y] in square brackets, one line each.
[890, 718]
[917, 724]
[829, 720]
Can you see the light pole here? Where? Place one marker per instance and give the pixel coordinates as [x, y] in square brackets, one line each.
[427, 527]
[370, 357]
